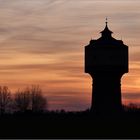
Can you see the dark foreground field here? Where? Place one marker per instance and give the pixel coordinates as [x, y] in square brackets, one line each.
[70, 125]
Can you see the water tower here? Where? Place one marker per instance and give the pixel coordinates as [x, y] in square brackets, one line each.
[106, 60]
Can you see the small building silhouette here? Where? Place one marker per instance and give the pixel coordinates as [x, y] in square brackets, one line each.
[106, 60]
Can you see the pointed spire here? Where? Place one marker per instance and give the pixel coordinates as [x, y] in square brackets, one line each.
[106, 32]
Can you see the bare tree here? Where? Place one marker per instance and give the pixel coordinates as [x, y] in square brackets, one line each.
[5, 99]
[22, 100]
[38, 101]
[30, 99]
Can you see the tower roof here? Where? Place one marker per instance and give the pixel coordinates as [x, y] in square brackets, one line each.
[106, 31]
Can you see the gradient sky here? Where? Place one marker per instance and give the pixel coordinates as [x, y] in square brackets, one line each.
[42, 42]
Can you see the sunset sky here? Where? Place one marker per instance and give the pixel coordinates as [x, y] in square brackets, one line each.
[42, 43]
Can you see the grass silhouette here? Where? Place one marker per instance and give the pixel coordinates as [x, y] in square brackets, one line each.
[63, 124]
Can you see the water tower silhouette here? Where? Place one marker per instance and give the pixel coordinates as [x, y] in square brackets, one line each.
[106, 60]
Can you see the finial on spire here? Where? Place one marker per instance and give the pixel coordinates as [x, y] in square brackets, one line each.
[106, 21]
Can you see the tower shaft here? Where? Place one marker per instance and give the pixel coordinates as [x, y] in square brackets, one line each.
[106, 92]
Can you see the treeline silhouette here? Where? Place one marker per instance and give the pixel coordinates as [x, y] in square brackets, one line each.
[28, 99]
[31, 100]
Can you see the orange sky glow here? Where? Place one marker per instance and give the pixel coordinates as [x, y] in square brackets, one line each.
[42, 43]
